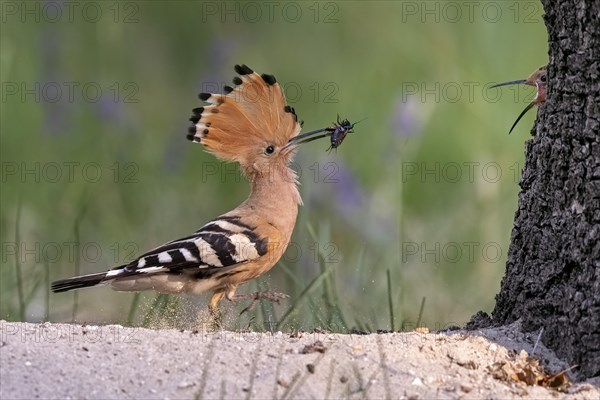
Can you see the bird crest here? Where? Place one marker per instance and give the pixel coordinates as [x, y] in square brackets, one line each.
[248, 120]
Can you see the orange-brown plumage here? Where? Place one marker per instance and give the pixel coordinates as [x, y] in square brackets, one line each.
[252, 125]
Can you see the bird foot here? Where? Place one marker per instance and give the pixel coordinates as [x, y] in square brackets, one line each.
[275, 297]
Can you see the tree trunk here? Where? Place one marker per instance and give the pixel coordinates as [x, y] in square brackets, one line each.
[552, 278]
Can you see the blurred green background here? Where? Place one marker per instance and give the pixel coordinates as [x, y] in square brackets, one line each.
[96, 167]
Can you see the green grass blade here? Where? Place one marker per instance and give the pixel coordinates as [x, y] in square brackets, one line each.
[18, 265]
[37, 279]
[77, 268]
[133, 308]
[152, 310]
[299, 284]
[288, 272]
[47, 291]
[77, 260]
[390, 301]
[312, 286]
[266, 308]
[421, 312]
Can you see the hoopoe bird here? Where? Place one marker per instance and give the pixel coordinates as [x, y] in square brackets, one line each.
[250, 124]
[538, 79]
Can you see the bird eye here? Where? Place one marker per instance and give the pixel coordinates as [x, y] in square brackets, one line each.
[543, 78]
[270, 150]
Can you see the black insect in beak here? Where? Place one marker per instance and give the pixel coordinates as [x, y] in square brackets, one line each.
[337, 134]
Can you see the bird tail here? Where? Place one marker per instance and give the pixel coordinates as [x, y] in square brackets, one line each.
[78, 282]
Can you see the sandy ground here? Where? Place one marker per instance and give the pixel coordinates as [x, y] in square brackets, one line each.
[105, 362]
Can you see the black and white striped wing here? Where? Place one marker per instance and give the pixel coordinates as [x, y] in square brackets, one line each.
[223, 242]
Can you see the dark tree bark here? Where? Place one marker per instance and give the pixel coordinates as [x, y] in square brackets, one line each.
[552, 278]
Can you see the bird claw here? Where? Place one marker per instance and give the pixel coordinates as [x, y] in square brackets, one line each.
[275, 297]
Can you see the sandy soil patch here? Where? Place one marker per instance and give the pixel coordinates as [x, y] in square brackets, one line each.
[108, 362]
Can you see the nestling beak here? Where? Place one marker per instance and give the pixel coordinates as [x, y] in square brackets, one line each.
[517, 82]
[528, 82]
[529, 106]
[537, 79]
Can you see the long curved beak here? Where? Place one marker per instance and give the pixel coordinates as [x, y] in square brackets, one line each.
[517, 82]
[309, 137]
[529, 106]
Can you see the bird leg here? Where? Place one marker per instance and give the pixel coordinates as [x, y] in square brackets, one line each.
[216, 316]
[271, 296]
